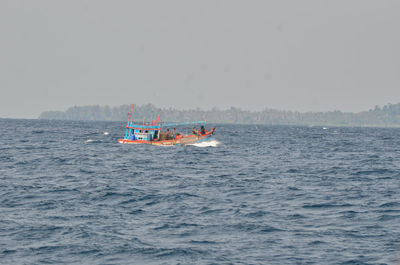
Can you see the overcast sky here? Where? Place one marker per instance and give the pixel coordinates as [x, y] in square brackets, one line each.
[287, 54]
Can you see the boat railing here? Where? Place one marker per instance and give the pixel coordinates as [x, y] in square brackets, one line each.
[182, 123]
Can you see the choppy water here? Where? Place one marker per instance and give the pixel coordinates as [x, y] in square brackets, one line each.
[265, 195]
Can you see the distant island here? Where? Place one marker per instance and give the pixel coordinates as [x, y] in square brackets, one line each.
[388, 115]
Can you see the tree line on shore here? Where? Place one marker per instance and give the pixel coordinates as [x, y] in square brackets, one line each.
[388, 115]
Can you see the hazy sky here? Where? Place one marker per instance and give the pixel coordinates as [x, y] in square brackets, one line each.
[286, 54]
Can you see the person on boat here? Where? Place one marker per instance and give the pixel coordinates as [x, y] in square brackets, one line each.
[168, 135]
[202, 130]
[194, 131]
[173, 134]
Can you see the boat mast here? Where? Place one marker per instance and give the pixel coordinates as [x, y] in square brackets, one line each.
[132, 113]
[129, 123]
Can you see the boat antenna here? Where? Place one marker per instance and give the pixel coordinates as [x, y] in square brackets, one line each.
[131, 114]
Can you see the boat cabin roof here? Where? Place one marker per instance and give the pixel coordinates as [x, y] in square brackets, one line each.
[135, 126]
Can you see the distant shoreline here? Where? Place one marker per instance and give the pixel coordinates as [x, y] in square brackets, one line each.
[387, 116]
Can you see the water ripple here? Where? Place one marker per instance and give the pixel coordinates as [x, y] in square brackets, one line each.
[279, 195]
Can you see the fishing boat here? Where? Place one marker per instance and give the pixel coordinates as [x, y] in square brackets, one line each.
[158, 133]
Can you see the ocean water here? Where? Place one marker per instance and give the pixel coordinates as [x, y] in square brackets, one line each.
[70, 194]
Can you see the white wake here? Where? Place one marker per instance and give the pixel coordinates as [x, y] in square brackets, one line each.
[93, 141]
[210, 143]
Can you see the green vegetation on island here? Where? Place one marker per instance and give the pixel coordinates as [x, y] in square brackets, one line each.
[389, 115]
